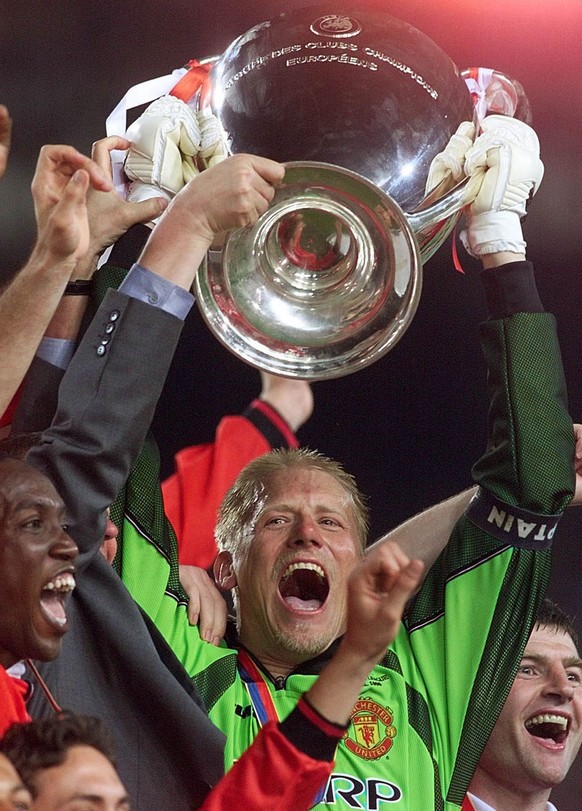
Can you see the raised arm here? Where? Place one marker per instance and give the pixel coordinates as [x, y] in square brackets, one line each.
[109, 216]
[89, 417]
[60, 186]
[482, 595]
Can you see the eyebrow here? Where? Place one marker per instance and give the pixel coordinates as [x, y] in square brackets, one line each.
[569, 661]
[96, 798]
[282, 506]
[38, 504]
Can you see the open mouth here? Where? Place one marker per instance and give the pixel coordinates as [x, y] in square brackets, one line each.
[53, 598]
[548, 726]
[304, 586]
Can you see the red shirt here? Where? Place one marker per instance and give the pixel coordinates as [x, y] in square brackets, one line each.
[13, 692]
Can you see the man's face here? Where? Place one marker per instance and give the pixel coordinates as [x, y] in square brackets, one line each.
[539, 731]
[293, 581]
[36, 565]
[109, 543]
[14, 796]
[85, 780]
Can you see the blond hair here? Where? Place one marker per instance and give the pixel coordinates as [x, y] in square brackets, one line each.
[243, 502]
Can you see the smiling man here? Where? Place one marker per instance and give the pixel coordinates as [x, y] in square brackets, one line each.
[290, 613]
[14, 796]
[67, 762]
[539, 731]
[37, 559]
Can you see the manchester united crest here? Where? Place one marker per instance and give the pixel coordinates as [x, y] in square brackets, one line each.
[371, 732]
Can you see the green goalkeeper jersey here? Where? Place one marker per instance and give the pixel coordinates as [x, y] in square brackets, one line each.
[426, 710]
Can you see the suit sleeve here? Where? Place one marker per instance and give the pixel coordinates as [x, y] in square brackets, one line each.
[106, 403]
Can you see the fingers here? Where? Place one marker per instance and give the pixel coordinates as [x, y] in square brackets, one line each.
[64, 160]
[257, 179]
[101, 151]
[450, 162]
[145, 211]
[378, 590]
[66, 235]
[401, 584]
[395, 575]
[232, 194]
[213, 614]
[206, 606]
[5, 137]
[271, 171]
[269, 175]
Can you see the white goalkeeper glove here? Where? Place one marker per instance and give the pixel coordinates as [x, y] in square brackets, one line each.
[164, 142]
[506, 159]
[450, 163]
[213, 147]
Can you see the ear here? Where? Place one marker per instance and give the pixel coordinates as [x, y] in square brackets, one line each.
[224, 574]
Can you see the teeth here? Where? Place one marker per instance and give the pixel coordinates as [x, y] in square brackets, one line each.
[63, 583]
[547, 718]
[313, 567]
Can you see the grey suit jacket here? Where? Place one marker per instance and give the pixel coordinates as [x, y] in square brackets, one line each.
[114, 664]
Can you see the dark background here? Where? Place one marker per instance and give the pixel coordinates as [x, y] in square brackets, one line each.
[410, 426]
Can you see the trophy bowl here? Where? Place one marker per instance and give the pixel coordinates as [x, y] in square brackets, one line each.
[361, 102]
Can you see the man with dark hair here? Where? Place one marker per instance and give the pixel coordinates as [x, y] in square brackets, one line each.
[67, 760]
[14, 796]
[539, 731]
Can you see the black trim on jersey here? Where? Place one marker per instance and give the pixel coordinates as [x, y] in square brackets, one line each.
[511, 289]
[509, 524]
[213, 682]
[264, 425]
[307, 737]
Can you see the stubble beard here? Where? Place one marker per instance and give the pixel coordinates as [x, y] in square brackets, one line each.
[302, 643]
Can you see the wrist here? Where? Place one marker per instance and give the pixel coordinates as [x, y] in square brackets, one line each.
[48, 273]
[495, 260]
[86, 267]
[175, 249]
[292, 399]
[493, 232]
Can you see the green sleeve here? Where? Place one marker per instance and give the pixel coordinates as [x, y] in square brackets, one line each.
[466, 629]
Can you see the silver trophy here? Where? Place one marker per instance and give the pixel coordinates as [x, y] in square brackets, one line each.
[357, 104]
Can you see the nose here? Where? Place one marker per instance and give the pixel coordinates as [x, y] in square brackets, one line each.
[558, 683]
[111, 530]
[306, 532]
[65, 548]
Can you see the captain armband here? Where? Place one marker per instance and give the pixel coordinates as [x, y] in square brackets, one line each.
[511, 525]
